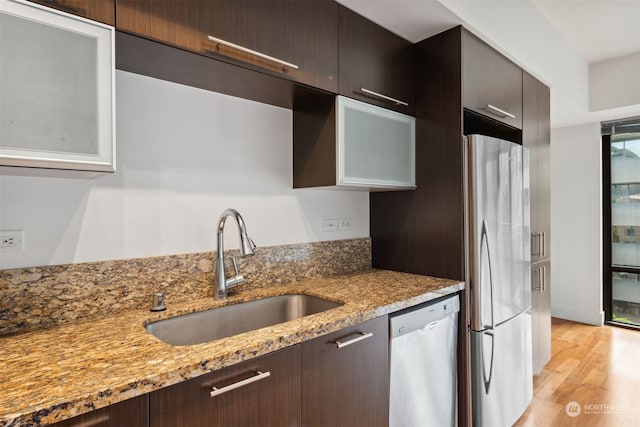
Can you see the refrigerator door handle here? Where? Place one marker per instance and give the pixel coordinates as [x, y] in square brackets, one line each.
[485, 251]
[487, 376]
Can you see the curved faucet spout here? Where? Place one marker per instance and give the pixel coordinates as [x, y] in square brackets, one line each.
[246, 249]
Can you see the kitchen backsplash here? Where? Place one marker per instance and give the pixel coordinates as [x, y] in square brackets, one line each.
[41, 297]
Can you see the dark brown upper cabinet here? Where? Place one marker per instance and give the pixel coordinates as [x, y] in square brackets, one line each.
[422, 231]
[97, 10]
[349, 144]
[287, 38]
[457, 76]
[492, 85]
[536, 136]
[375, 64]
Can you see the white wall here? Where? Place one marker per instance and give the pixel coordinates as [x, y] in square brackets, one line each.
[614, 83]
[522, 33]
[576, 224]
[184, 155]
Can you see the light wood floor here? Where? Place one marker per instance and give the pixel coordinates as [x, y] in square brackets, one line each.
[596, 367]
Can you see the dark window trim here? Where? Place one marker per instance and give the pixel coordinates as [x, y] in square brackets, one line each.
[607, 294]
[623, 325]
[607, 257]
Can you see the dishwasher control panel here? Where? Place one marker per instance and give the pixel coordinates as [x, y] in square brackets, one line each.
[422, 316]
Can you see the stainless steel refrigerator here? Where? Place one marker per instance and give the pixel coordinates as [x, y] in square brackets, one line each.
[498, 279]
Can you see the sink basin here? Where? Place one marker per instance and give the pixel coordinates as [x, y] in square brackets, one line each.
[209, 325]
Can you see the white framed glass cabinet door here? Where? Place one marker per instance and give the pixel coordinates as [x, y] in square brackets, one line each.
[375, 146]
[56, 89]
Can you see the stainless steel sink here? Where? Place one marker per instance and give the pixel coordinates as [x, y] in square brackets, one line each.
[209, 325]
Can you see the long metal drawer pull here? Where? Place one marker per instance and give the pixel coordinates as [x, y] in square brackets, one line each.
[101, 420]
[540, 244]
[535, 270]
[543, 243]
[360, 337]
[253, 52]
[499, 111]
[541, 279]
[383, 97]
[259, 376]
[535, 244]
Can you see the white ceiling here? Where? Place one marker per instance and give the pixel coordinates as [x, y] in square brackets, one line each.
[597, 29]
[554, 40]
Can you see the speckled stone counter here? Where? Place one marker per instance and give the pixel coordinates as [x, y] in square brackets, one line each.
[41, 297]
[54, 374]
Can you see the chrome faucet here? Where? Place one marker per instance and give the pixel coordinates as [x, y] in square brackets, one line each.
[246, 249]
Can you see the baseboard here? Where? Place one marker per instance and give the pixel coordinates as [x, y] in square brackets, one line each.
[577, 315]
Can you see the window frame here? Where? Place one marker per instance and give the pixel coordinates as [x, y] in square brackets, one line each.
[607, 249]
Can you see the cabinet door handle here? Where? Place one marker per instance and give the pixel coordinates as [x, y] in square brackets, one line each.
[543, 273]
[361, 336]
[383, 97]
[535, 244]
[253, 52]
[536, 271]
[498, 111]
[259, 376]
[543, 244]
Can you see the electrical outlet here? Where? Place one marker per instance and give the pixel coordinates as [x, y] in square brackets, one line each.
[344, 224]
[11, 240]
[329, 225]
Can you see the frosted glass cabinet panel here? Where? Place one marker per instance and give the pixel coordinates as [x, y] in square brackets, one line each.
[56, 89]
[375, 146]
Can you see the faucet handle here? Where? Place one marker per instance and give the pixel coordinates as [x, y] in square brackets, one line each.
[235, 266]
[237, 278]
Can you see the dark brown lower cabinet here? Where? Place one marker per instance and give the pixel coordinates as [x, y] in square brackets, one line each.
[347, 386]
[133, 412]
[258, 399]
[340, 379]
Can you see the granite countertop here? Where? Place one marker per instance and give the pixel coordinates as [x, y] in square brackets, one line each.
[57, 373]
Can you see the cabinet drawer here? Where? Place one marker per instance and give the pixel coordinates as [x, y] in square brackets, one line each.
[261, 391]
[492, 85]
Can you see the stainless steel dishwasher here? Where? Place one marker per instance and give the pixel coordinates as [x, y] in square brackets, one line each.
[423, 364]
